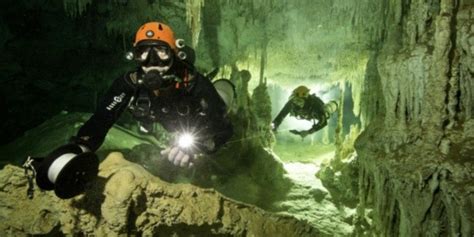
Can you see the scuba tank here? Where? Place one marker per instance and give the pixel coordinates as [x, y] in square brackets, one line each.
[226, 91]
[67, 170]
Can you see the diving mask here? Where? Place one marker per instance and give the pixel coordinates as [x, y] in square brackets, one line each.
[154, 57]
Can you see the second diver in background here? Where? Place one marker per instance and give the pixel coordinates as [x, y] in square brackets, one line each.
[303, 105]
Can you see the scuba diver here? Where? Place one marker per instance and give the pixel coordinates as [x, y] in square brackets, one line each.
[306, 106]
[165, 88]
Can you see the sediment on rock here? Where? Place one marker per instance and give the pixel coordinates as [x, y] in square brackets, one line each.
[126, 199]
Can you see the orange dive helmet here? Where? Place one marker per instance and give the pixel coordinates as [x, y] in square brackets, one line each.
[155, 31]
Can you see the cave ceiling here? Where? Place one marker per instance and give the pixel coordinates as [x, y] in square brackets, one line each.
[309, 42]
[305, 41]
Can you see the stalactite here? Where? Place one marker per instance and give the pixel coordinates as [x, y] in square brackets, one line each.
[357, 83]
[467, 89]
[425, 71]
[124, 19]
[340, 118]
[193, 19]
[263, 60]
[75, 8]
[404, 97]
[465, 52]
[411, 198]
[211, 17]
[435, 111]
[372, 99]
[453, 92]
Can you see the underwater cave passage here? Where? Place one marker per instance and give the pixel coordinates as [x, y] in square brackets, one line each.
[352, 118]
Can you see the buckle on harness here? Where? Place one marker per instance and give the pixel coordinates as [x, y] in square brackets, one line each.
[30, 173]
[142, 107]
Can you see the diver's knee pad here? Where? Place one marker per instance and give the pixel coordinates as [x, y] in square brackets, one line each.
[67, 170]
[226, 91]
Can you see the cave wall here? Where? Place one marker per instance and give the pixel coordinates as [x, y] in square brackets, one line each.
[416, 152]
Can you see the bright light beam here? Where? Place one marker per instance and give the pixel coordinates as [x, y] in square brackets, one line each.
[186, 140]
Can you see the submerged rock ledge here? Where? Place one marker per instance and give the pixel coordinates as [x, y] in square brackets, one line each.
[127, 200]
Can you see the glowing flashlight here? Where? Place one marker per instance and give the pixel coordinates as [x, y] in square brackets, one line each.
[186, 140]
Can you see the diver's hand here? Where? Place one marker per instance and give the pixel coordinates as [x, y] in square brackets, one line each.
[274, 127]
[179, 157]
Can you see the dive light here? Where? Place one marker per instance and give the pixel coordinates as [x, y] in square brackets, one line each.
[186, 140]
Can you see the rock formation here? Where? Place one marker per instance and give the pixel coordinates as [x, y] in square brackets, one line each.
[126, 200]
[416, 153]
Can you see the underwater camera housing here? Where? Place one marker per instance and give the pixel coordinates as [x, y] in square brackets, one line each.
[67, 170]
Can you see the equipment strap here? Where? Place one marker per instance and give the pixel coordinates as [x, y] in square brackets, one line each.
[30, 173]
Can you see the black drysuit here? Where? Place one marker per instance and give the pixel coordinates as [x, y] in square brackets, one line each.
[187, 101]
[312, 109]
